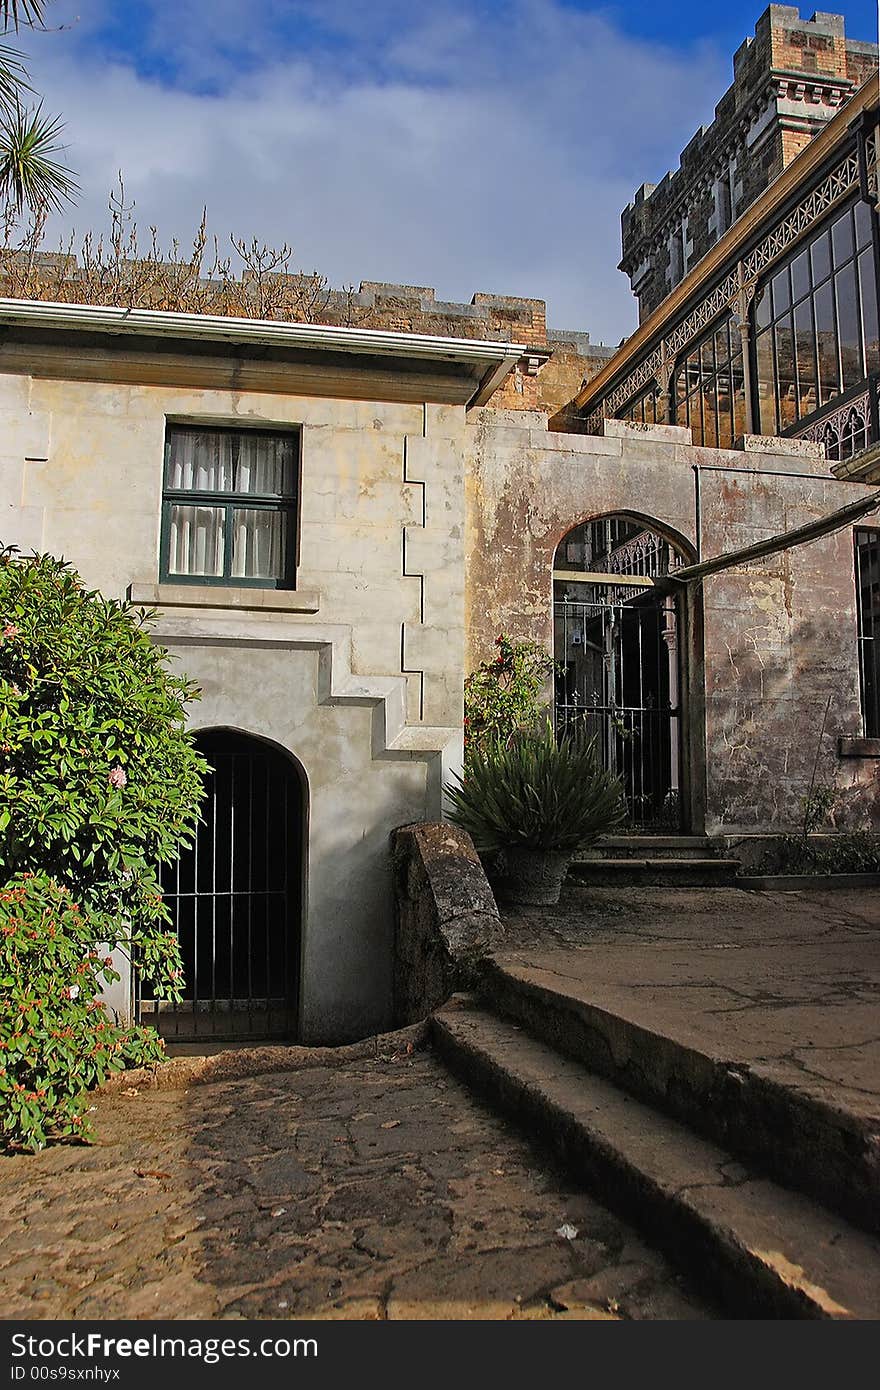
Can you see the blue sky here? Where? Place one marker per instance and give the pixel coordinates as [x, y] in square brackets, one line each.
[465, 144]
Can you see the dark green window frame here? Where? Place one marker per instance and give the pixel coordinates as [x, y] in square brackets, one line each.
[285, 504]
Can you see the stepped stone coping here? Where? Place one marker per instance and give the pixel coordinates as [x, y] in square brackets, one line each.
[766, 1250]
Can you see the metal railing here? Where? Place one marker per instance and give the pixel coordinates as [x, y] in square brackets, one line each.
[619, 677]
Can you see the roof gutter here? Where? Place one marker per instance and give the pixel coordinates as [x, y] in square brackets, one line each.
[495, 358]
[497, 374]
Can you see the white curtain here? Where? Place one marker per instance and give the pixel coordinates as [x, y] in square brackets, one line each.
[259, 543]
[197, 539]
[230, 461]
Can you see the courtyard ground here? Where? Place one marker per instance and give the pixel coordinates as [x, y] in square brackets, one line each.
[380, 1187]
[375, 1189]
[788, 983]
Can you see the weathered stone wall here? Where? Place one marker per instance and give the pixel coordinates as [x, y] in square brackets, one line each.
[446, 917]
[789, 80]
[780, 643]
[765, 645]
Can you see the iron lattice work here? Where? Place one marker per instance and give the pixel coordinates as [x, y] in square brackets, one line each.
[845, 432]
[736, 290]
[235, 900]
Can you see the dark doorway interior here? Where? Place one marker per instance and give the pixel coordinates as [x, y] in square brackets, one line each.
[616, 642]
[235, 899]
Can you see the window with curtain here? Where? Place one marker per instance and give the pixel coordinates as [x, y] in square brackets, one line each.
[229, 506]
[816, 322]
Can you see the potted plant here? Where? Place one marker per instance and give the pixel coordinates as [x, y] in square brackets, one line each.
[537, 799]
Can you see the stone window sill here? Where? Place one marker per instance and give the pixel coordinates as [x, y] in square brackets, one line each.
[858, 747]
[219, 596]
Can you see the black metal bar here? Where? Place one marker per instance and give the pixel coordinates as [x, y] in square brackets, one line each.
[266, 879]
[250, 864]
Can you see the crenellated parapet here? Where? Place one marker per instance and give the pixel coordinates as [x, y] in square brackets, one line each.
[790, 79]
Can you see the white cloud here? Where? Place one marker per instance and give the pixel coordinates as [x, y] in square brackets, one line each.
[468, 146]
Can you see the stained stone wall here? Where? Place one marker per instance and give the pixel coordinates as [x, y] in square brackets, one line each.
[357, 673]
[764, 646]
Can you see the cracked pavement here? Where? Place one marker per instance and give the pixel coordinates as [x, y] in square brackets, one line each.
[787, 983]
[374, 1189]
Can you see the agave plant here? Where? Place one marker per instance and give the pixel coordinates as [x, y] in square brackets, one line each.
[537, 792]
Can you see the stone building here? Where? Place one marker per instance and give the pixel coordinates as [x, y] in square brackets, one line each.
[334, 523]
[788, 82]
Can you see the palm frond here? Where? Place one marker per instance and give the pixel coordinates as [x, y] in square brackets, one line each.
[13, 77]
[15, 13]
[30, 176]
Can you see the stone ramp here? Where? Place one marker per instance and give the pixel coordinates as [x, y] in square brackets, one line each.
[817, 1134]
[763, 1248]
[753, 1017]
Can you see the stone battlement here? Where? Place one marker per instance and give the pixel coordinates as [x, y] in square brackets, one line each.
[788, 81]
[562, 361]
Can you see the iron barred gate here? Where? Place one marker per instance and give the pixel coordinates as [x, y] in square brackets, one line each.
[617, 684]
[616, 647]
[235, 899]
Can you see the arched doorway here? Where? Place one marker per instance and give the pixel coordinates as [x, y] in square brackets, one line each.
[616, 642]
[236, 898]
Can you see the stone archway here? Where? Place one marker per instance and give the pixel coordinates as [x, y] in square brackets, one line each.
[617, 644]
[236, 897]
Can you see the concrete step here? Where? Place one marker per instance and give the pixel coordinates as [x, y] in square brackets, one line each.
[800, 1135]
[656, 873]
[651, 847]
[764, 1250]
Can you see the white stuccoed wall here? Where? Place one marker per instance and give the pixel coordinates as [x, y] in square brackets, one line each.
[358, 675]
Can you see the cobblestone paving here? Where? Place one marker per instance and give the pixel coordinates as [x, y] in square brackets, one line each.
[379, 1189]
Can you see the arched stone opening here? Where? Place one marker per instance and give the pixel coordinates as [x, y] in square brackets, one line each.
[617, 642]
[236, 897]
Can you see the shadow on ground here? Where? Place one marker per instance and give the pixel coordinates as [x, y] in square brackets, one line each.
[378, 1189]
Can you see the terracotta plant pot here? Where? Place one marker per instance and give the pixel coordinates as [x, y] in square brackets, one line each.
[535, 876]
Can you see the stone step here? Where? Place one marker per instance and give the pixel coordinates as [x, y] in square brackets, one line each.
[820, 1141]
[651, 847]
[656, 873]
[764, 1250]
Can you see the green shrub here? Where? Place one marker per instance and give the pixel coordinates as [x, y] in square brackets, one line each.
[100, 784]
[536, 791]
[506, 694]
[55, 1038]
[849, 852]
